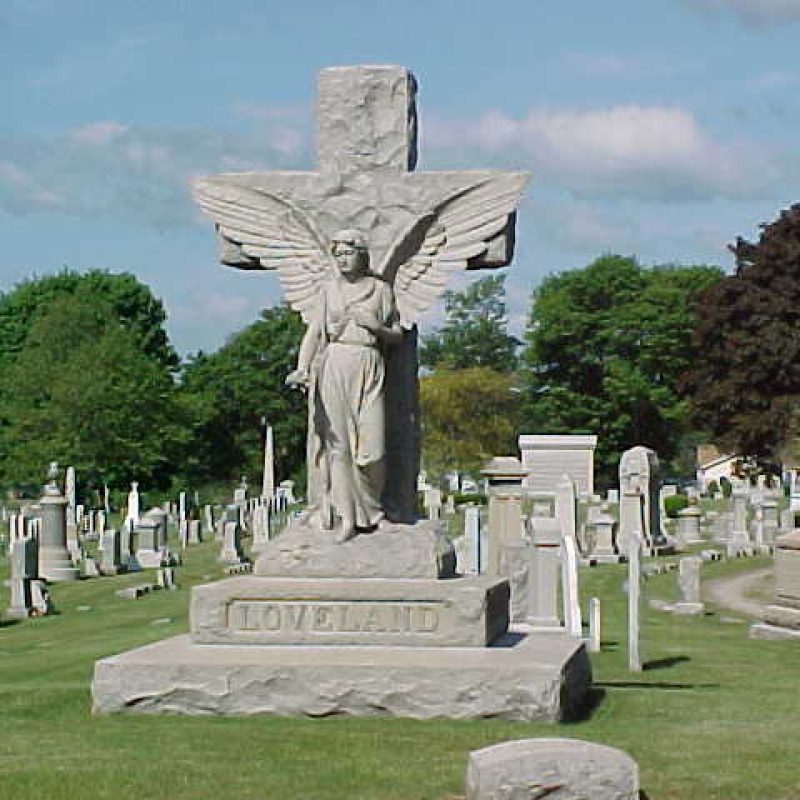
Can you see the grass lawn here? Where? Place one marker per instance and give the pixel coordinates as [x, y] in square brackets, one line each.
[714, 714]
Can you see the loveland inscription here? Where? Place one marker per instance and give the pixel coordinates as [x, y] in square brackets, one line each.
[288, 616]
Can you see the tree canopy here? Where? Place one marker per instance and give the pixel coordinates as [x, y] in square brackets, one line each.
[231, 393]
[131, 302]
[605, 348]
[745, 380]
[82, 391]
[475, 332]
[468, 416]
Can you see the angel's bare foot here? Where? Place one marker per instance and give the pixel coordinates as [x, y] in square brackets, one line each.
[345, 532]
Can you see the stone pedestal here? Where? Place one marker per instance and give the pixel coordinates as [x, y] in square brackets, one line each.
[782, 618]
[689, 586]
[55, 561]
[545, 570]
[505, 475]
[688, 528]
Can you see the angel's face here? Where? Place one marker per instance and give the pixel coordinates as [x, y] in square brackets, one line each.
[349, 259]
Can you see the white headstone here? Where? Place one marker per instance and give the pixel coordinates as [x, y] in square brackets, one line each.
[569, 587]
[472, 539]
[132, 516]
[594, 642]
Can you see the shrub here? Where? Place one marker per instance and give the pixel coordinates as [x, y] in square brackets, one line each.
[725, 485]
[461, 498]
[674, 504]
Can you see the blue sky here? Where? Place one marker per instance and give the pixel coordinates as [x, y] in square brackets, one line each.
[662, 128]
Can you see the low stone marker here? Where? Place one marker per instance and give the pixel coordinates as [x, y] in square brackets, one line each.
[594, 625]
[134, 592]
[689, 586]
[561, 769]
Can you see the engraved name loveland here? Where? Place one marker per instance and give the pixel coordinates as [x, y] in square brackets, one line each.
[337, 617]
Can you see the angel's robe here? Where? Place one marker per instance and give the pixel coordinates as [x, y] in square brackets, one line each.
[348, 411]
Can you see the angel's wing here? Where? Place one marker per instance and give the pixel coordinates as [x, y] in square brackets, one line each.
[457, 232]
[260, 231]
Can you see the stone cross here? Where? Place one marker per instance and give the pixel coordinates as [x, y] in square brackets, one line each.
[366, 154]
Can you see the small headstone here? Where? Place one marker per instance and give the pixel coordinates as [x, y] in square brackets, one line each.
[432, 501]
[134, 592]
[24, 557]
[231, 554]
[40, 599]
[89, 568]
[689, 586]
[110, 558]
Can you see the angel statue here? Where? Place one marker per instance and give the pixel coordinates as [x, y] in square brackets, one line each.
[354, 322]
[360, 291]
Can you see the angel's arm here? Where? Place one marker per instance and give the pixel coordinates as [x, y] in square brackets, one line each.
[309, 347]
[385, 325]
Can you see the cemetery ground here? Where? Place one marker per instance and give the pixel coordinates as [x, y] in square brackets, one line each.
[713, 715]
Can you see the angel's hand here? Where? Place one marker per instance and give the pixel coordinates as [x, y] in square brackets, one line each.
[367, 320]
[298, 378]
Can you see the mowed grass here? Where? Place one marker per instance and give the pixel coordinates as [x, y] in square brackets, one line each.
[714, 714]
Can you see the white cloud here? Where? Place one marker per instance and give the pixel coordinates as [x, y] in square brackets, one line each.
[603, 65]
[764, 12]
[651, 152]
[99, 133]
[110, 169]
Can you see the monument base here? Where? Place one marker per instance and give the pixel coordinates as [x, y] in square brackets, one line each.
[689, 609]
[525, 676]
[763, 630]
[460, 612]
[395, 550]
[604, 558]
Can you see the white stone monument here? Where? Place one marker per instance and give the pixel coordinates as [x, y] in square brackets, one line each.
[639, 480]
[547, 458]
[268, 479]
[132, 515]
[362, 246]
[55, 561]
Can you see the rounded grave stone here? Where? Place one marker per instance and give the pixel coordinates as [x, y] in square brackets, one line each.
[560, 769]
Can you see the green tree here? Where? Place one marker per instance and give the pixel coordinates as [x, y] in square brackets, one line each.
[131, 302]
[468, 416]
[606, 346]
[230, 392]
[81, 391]
[745, 379]
[475, 330]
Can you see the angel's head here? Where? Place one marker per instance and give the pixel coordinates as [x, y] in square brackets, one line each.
[349, 248]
